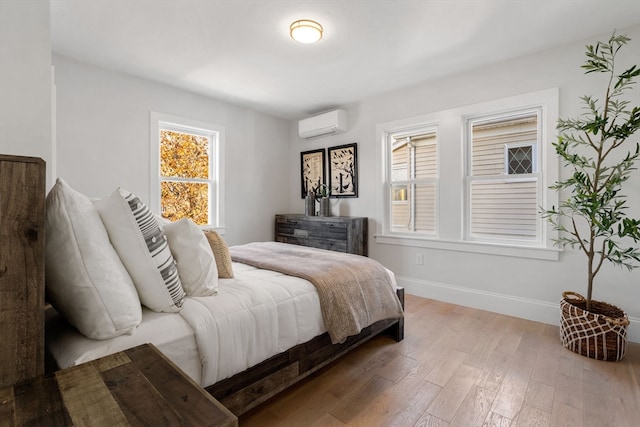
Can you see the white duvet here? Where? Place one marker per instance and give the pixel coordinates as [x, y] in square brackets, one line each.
[257, 315]
[254, 316]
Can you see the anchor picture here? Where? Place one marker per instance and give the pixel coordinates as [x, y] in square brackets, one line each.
[343, 170]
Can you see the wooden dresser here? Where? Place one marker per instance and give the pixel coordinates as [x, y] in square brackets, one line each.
[336, 233]
[22, 210]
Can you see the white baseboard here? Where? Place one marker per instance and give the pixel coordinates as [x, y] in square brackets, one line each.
[539, 311]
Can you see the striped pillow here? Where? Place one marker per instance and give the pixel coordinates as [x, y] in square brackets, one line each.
[143, 249]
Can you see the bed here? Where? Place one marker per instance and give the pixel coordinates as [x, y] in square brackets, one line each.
[276, 314]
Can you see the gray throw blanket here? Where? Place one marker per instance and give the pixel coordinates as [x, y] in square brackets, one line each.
[354, 291]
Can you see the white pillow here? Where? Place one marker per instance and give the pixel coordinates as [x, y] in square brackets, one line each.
[85, 279]
[194, 258]
[143, 249]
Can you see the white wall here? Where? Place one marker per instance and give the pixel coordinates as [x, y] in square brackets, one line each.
[517, 286]
[103, 142]
[25, 80]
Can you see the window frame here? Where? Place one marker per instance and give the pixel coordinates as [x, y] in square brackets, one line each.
[411, 182]
[534, 156]
[536, 174]
[451, 175]
[216, 136]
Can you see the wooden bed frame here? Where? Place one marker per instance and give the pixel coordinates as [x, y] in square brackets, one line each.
[248, 389]
[23, 355]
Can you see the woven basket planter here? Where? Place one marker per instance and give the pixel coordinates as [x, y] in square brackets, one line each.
[599, 334]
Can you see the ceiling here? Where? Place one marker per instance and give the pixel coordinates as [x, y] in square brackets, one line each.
[240, 50]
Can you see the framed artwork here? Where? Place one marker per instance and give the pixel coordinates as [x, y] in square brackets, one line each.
[312, 167]
[343, 170]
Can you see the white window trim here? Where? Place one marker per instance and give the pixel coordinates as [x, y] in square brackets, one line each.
[549, 100]
[486, 248]
[181, 124]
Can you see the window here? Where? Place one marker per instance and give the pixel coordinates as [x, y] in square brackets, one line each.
[520, 158]
[473, 183]
[413, 181]
[503, 177]
[186, 169]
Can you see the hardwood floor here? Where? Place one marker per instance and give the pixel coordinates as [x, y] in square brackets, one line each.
[459, 366]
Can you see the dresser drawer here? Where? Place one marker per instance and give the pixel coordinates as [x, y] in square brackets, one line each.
[332, 245]
[292, 240]
[328, 230]
[293, 227]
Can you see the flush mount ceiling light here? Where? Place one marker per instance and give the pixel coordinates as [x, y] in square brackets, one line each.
[305, 31]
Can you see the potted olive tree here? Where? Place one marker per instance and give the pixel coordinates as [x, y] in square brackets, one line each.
[592, 217]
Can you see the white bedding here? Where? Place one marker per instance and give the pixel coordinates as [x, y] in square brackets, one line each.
[259, 314]
[256, 315]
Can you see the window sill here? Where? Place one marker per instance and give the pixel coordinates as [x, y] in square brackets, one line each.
[501, 249]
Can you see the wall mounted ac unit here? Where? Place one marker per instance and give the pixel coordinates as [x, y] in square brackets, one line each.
[328, 123]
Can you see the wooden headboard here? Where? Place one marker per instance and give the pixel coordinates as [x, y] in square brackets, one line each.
[22, 234]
